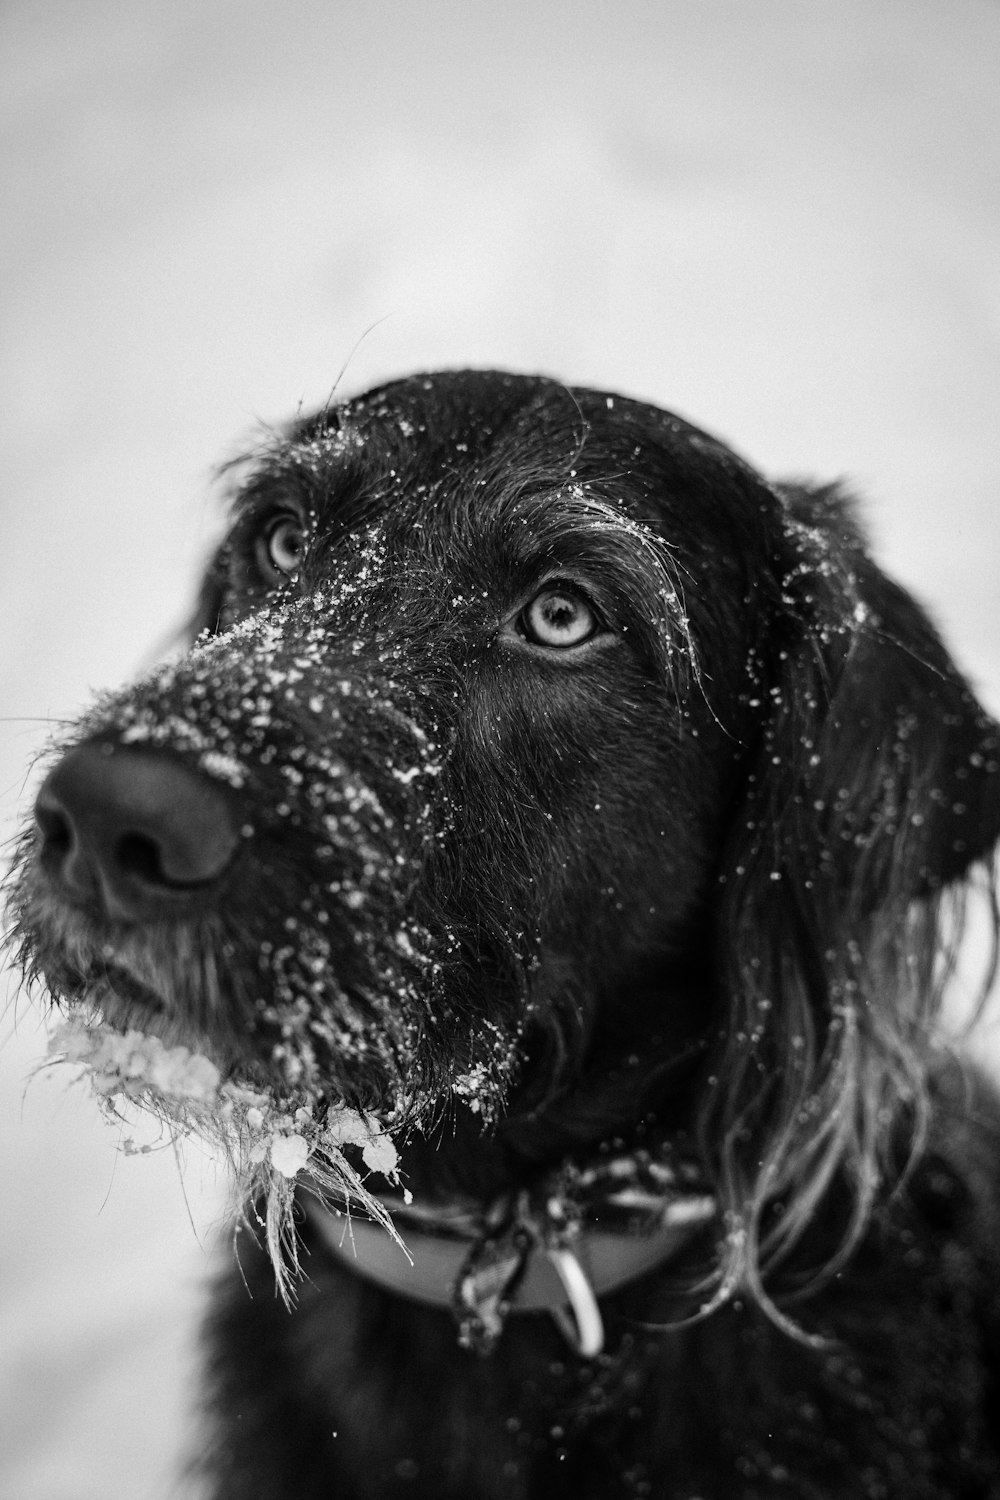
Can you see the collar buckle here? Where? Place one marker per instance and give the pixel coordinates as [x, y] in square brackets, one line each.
[580, 1322]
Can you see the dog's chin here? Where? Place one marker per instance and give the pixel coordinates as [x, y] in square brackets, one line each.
[114, 995]
[164, 982]
[83, 960]
[124, 979]
[129, 1003]
[116, 999]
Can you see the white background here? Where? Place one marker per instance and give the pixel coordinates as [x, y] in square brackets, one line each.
[781, 218]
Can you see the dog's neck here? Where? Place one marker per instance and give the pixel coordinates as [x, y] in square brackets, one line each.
[578, 1235]
[568, 1198]
[553, 1210]
[621, 1102]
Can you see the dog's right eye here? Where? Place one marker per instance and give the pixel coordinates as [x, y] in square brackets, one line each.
[280, 548]
[559, 617]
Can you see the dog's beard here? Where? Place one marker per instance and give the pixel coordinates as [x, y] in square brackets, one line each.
[151, 1019]
[269, 1141]
[309, 1086]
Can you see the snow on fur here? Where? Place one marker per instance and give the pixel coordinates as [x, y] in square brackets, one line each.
[268, 1143]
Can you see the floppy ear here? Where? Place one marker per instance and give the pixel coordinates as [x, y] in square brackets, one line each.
[877, 751]
[874, 787]
[908, 761]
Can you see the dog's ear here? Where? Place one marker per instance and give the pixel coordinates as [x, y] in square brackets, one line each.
[880, 763]
[906, 781]
[873, 789]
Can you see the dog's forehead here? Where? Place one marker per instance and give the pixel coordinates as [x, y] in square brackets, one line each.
[467, 418]
[468, 451]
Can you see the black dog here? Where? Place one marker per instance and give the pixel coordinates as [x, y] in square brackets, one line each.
[597, 817]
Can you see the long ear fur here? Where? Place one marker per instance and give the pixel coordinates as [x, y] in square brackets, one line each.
[874, 789]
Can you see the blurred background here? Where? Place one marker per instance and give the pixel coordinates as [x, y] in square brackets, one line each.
[781, 219]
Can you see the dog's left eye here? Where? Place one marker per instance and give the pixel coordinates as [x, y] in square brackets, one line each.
[279, 549]
[559, 617]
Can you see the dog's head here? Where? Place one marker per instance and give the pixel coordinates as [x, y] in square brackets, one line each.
[531, 737]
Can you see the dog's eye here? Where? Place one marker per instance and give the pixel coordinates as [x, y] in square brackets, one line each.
[279, 550]
[559, 616]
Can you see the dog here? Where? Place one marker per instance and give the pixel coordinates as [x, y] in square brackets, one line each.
[548, 787]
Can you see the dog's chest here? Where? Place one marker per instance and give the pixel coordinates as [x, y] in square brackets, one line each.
[730, 1409]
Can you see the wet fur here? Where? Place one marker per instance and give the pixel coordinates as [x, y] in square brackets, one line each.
[699, 881]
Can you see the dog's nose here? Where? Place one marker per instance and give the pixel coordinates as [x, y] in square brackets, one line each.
[135, 831]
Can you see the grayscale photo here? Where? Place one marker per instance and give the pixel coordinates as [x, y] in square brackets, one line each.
[500, 735]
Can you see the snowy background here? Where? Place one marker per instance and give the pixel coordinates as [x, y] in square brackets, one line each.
[781, 218]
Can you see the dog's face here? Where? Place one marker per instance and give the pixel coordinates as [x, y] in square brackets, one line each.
[460, 700]
[505, 694]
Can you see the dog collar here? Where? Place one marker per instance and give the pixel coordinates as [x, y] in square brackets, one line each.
[581, 1234]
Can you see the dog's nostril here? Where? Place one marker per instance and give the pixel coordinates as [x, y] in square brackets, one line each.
[133, 830]
[56, 831]
[138, 854]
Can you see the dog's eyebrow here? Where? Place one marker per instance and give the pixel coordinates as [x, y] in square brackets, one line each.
[328, 481]
[577, 531]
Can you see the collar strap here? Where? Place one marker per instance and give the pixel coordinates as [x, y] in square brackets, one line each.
[583, 1236]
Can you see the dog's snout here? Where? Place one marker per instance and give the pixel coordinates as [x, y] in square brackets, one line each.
[133, 831]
